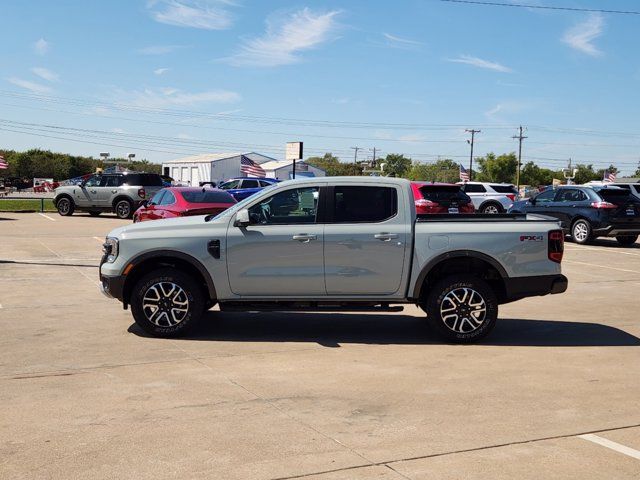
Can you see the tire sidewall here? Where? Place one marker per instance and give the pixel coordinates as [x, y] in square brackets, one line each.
[491, 204]
[626, 240]
[191, 289]
[439, 292]
[589, 230]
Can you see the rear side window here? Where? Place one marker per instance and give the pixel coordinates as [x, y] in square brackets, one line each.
[168, 198]
[250, 184]
[474, 188]
[208, 196]
[505, 189]
[617, 196]
[571, 195]
[364, 204]
[109, 181]
[439, 193]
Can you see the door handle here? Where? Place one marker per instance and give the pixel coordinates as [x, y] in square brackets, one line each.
[304, 238]
[385, 237]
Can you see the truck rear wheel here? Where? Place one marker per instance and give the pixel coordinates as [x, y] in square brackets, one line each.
[167, 303]
[462, 308]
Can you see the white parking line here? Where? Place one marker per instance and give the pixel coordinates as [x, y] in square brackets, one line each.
[612, 445]
[47, 217]
[600, 266]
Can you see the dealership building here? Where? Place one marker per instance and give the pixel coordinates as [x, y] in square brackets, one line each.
[218, 167]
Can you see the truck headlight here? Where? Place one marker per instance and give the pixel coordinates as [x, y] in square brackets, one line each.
[110, 249]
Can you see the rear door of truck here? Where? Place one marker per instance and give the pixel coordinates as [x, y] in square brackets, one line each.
[367, 229]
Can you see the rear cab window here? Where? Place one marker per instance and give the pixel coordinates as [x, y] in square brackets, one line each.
[364, 204]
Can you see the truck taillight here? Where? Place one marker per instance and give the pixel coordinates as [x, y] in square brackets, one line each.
[141, 193]
[556, 245]
[603, 205]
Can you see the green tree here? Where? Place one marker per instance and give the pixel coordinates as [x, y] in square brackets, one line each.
[585, 173]
[531, 174]
[396, 165]
[492, 168]
[445, 170]
[610, 168]
[333, 166]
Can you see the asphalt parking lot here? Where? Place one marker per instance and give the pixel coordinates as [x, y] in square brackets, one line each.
[552, 393]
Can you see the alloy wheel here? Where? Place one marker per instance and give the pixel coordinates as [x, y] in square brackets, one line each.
[123, 209]
[581, 231]
[63, 206]
[492, 209]
[463, 310]
[165, 304]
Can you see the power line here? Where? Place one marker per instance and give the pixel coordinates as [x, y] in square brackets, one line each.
[543, 7]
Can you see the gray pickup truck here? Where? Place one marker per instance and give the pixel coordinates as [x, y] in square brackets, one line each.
[333, 243]
[121, 193]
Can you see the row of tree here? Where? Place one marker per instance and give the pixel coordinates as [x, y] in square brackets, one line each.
[61, 166]
[490, 168]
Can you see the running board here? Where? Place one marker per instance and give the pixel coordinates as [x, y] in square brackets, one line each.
[307, 307]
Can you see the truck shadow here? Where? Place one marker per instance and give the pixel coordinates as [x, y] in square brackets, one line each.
[333, 329]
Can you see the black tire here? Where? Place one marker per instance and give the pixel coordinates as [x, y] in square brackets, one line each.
[171, 321]
[123, 208]
[491, 208]
[454, 326]
[65, 206]
[581, 232]
[94, 213]
[626, 240]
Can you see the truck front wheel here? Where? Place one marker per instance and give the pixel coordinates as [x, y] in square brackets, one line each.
[461, 308]
[166, 303]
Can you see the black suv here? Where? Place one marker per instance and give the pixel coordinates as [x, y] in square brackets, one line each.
[589, 212]
[121, 193]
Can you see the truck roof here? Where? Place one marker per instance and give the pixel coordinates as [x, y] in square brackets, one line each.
[346, 180]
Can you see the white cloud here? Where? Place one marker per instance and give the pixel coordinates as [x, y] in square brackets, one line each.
[41, 46]
[160, 71]
[172, 97]
[184, 136]
[159, 49]
[27, 85]
[581, 36]
[45, 74]
[480, 63]
[284, 39]
[340, 101]
[399, 42]
[204, 14]
[118, 130]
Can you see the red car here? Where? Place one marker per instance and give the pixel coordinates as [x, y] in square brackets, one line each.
[182, 202]
[440, 198]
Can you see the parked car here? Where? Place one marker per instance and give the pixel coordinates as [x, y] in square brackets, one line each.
[634, 188]
[243, 187]
[358, 246]
[586, 213]
[121, 193]
[184, 202]
[440, 198]
[490, 197]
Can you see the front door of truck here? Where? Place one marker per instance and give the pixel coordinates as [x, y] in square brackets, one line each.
[364, 240]
[281, 251]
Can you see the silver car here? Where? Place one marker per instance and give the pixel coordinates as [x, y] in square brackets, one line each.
[490, 197]
[121, 193]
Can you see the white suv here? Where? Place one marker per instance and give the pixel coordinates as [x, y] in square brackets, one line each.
[490, 197]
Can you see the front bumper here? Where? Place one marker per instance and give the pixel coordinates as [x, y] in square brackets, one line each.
[517, 288]
[112, 287]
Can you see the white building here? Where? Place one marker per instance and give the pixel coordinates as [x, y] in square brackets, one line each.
[283, 169]
[210, 167]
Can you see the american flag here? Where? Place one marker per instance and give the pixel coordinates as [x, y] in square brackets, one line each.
[3, 163]
[464, 175]
[249, 167]
[609, 176]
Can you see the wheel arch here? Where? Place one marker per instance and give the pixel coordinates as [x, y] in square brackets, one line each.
[59, 197]
[459, 262]
[153, 260]
[492, 202]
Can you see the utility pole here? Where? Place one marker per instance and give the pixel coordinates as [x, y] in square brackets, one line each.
[471, 142]
[520, 137]
[569, 174]
[355, 154]
[373, 162]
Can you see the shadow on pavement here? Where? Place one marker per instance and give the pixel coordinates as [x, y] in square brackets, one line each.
[7, 219]
[332, 329]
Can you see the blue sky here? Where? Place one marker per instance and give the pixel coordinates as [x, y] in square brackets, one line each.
[169, 78]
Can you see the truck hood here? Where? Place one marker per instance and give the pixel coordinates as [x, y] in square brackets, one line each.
[170, 227]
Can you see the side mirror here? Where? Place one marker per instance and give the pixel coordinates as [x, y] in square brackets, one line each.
[242, 218]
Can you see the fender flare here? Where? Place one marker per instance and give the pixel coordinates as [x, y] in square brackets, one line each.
[431, 264]
[167, 253]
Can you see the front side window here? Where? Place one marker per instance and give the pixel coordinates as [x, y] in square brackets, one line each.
[296, 206]
[545, 197]
[93, 181]
[364, 204]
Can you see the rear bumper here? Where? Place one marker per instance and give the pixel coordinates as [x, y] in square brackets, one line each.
[522, 287]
